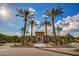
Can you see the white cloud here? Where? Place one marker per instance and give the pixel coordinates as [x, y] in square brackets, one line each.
[59, 23]
[44, 16]
[11, 33]
[31, 9]
[42, 28]
[69, 24]
[38, 22]
[76, 34]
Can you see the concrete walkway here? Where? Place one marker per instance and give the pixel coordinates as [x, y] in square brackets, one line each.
[68, 51]
[40, 45]
[24, 51]
[28, 52]
[20, 51]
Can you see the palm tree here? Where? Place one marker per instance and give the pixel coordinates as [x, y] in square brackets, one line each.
[32, 24]
[22, 31]
[58, 30]
[27, 32]
[52, 14]
[46, 23]
[25, 14]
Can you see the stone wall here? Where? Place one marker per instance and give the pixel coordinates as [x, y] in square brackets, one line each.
[46, 39]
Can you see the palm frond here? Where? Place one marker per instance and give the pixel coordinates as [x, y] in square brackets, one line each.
[46, 22]
[32, 22]
[20, 11]
[19, 15]
[58, 11]
[26, 13]
[54, 12]
[48, 13]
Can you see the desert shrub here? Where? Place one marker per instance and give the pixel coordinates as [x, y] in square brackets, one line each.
[7, 38]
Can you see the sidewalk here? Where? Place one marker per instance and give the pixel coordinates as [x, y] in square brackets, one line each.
[68, 51]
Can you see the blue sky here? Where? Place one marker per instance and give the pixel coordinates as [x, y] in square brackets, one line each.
[13, 24]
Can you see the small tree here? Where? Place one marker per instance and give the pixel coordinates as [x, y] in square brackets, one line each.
[68, 38]
[46, 23]
[32, 24]
[58, 31]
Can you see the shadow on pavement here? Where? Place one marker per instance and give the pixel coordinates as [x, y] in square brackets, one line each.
[57, 51]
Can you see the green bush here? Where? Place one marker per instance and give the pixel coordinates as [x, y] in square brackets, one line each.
[7, 38]
[68, 38]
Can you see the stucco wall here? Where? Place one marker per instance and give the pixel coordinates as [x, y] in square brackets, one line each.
[46, 39]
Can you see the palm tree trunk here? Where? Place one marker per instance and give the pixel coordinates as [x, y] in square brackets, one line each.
[24, 32]
[31, 30]
[31, 33]
[46, 29]
[54, 31]
[24, 28]
[58, 36]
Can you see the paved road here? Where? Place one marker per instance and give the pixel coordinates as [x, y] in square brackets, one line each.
[20, 51]
[27, 52]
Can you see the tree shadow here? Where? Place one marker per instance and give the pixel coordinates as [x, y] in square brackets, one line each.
[57, 51]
